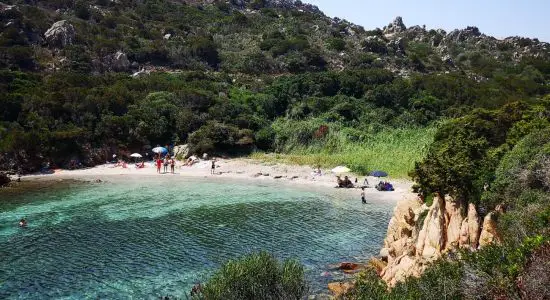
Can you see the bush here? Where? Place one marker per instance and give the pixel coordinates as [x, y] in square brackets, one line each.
[337, 44]
[257, 276]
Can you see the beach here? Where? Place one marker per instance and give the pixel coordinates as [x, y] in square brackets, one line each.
[242, 169]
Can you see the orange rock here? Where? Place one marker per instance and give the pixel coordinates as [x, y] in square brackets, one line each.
[348, 266]
[338, 289]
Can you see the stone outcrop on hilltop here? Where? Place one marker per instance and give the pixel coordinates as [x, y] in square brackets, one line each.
[418, 235]
[396, 26]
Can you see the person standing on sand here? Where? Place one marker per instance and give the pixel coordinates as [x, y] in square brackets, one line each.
[172, 164]
[166, 162]
[363, 200]
[159, 162]
[213, 169]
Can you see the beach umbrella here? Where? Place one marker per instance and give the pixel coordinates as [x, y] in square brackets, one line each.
[340, 169]
[378, 173]
[160, 150]
[136, 156]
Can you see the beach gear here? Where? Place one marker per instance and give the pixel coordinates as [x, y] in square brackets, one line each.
[136, 155]
[160, 150]
[340, 169]
[378, 174]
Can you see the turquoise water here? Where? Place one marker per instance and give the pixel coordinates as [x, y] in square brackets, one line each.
[124, 239]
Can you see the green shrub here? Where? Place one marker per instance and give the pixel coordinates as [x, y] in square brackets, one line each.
[337, 44]
[256, 276]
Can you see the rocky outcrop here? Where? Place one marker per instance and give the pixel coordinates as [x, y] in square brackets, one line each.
[338, 289]
[445, 227]
[120, 62]
[396, 26]
[181, 151]
[489, 234]
[470, 228]
[60, 34]
[4, 179]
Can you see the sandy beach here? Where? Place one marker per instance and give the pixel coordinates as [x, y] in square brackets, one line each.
[239, 169]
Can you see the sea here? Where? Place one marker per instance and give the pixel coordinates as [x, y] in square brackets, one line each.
[152, 237]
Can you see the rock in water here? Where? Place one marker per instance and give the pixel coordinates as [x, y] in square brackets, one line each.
[61, 34]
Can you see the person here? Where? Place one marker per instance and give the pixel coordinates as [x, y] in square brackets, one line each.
[347, 182]
[317, 172]
[172, 164]
[166, 162]
[213, 169]
[339, 181]
[23, 223]
[365, 182]
[159, 163]
[363, 200]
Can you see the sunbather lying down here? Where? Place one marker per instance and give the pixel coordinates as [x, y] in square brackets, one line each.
[384, 186]
[346, 183]
[191, 160]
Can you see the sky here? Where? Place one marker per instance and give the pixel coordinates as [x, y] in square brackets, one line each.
[498, 18]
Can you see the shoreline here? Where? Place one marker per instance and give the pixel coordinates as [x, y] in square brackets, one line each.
[246, 171]
[241, 169]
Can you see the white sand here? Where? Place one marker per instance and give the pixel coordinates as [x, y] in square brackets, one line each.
[241, 169]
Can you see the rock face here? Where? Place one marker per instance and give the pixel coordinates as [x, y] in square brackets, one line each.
[181, 150]
[412, 244]
[61, 34]
[489, 234]
[396, 26]
[338, 289]
[120, 62]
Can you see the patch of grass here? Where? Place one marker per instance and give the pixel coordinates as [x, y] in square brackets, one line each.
[392, 150]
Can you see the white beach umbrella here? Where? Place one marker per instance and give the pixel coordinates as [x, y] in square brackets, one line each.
[136, 155]
[340, 169]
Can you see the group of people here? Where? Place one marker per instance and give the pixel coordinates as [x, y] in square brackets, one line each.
[384, 186]
[167, 161]
[345, 183]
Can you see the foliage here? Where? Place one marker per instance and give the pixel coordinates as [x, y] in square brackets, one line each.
[256, 276]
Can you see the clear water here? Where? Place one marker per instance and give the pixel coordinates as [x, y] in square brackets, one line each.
[125, 239]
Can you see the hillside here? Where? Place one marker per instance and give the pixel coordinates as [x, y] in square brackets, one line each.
[250, 37]
[234, 77]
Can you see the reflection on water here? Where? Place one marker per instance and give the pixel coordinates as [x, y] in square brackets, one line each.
[139, 239]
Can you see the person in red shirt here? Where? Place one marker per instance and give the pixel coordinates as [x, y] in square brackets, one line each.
[159, 163]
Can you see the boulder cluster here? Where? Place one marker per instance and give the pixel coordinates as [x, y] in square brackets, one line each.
[418, 235]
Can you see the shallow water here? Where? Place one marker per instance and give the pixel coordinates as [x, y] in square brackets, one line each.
[148, 238]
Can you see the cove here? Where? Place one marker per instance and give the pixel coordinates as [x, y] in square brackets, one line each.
[157, 236]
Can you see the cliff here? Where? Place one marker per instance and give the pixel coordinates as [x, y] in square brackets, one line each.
[418, 235]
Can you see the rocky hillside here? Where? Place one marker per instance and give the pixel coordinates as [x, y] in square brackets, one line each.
[237, 36]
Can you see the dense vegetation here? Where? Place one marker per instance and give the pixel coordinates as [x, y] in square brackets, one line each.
[256, 276]
[467, 114]
[241, 76]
